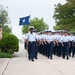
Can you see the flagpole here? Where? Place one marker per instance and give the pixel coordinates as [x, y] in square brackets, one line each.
[27, 40]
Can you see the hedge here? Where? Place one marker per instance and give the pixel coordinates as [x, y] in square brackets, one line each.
[9, 43]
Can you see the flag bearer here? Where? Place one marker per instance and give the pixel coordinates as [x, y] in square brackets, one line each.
[31, 39]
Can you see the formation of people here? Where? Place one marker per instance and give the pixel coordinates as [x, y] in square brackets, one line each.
[48, 43]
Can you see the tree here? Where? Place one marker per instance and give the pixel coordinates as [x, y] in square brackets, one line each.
[6, 29]
[38, 24]
[4, 20]
[64, 16]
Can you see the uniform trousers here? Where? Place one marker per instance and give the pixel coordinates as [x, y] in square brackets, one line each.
[31, 49]
[70, 48]
[73, 50]
[66, 49]
[51, 49]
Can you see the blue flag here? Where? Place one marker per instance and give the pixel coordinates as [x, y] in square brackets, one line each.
[24, 20]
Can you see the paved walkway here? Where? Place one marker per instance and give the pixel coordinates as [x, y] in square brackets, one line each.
[20, 65]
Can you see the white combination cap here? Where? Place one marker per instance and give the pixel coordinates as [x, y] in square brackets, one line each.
[31, 27]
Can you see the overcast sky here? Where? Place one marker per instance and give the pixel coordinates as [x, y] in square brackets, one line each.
[35, 8]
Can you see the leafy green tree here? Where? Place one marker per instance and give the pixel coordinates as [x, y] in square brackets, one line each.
[4, 20]
[38, 24]
[7, 29]
[64, 16]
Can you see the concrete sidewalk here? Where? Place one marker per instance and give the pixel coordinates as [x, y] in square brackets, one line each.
[20, 65]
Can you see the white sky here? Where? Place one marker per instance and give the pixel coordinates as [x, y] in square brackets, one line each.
[35, 8]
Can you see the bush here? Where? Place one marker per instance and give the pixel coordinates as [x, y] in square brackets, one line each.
[9, 43]
[5, 55]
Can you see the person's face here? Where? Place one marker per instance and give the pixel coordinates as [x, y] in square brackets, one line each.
[31, 30]
[50, 33]
[61, 33]
[65, 34]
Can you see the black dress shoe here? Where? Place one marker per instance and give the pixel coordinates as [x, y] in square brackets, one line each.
[73, 56]
[48, 57]
[63, 57]
[67, 58]
[51, 58]
[36, 58]
[28, 58]
[32, 60]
